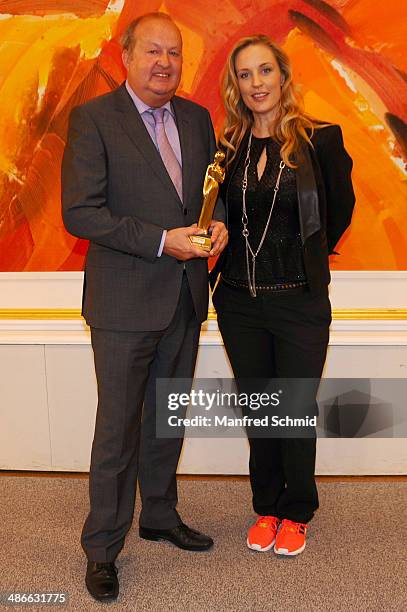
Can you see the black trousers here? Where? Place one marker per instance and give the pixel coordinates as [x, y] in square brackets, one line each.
[125, 445]
[277, 334]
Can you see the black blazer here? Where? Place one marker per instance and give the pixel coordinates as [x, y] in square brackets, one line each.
[117, 193]
[325, 201]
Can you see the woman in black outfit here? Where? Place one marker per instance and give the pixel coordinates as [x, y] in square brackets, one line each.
[289, 198]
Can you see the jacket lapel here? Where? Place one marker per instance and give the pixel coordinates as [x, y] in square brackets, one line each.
[134, 126]
[186, 142]
[308, 204]
[230, 170]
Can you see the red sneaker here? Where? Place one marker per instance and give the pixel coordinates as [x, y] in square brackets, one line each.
[262, 535]
[290, 539]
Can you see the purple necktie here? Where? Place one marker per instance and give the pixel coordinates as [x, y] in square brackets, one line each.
[166, 151]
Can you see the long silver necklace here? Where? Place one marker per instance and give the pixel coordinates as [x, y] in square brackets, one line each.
[250, 252]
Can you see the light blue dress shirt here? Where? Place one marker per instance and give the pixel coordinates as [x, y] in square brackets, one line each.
[170, 129]
[169, 122]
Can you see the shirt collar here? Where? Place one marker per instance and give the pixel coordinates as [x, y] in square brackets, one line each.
[141, 106]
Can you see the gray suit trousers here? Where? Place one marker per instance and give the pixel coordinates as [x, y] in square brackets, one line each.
[125, 446]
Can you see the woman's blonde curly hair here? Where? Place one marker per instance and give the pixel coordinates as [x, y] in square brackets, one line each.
[291, 122]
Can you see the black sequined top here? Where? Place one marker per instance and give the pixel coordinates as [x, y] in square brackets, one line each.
[280, 259]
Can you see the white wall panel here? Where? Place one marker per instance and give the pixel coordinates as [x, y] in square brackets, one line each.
[334, 456]
[48, 389]
[72, 401]
[348, 289]
[48, 403]
[372, 361]
[41, 289]
[24, 423]
[361, 456]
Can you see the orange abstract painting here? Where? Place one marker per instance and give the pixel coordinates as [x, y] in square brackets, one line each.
[349, 57]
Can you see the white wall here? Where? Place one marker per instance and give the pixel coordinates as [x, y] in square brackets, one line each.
[48, 391]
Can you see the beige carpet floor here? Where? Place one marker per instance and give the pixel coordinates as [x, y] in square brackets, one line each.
[356, 555]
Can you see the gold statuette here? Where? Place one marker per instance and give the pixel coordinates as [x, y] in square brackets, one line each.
[214, 176]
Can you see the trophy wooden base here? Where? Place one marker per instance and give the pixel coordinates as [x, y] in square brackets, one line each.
[203, 242]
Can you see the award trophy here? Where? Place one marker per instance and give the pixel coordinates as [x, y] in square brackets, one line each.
[215, 175]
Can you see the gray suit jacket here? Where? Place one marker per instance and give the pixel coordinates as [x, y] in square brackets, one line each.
[117, 193]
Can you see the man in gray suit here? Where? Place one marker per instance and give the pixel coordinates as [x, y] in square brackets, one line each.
[132, 179]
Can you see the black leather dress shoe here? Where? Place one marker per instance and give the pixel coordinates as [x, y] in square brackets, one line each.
[101, 580]
[182, 536]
